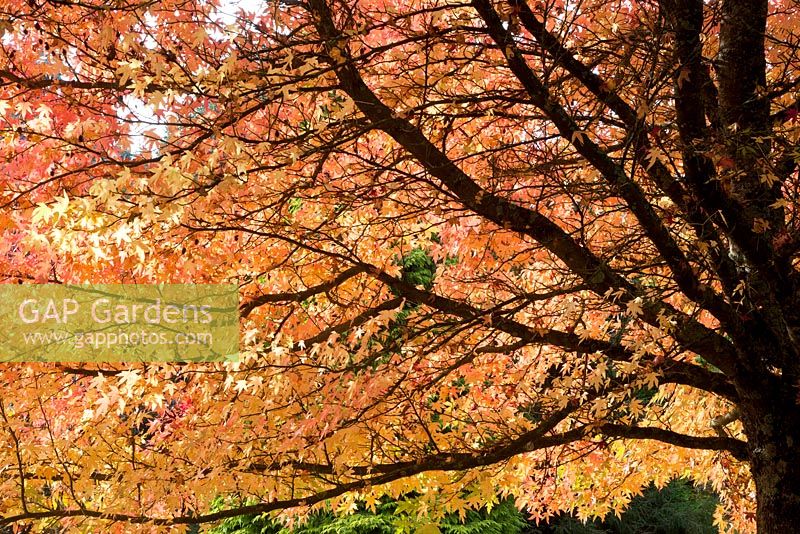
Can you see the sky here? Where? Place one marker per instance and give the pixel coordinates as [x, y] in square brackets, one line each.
[144, 112]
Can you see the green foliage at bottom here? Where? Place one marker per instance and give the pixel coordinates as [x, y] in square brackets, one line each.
[503, 518]
[678, 508]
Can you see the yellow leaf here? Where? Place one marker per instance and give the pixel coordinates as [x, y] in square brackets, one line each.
[41, 213]
[635, 307]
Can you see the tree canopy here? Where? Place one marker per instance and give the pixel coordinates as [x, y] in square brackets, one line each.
[544, 249]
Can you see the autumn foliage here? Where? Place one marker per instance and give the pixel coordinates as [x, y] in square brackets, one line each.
[538, 250]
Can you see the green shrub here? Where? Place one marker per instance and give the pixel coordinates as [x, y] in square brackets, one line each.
[678, 508]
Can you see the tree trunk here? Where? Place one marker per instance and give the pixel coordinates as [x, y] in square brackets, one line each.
[772, 424]
[777, 481]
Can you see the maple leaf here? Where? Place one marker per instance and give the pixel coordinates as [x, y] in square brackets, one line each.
[634, 307]
[577, 137]
[128, 379]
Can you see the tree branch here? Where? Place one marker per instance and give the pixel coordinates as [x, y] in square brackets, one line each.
[615, 175]
[299, 296]
[677, 372]
[602, 279]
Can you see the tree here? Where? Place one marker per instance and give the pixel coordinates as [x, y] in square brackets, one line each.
[542, 248]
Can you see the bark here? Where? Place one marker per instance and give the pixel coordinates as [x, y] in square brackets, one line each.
[777, 481]
[772, 424]
[768, 375]
[744, 107]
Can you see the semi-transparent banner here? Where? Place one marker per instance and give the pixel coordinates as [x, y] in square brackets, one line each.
[119, 322]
